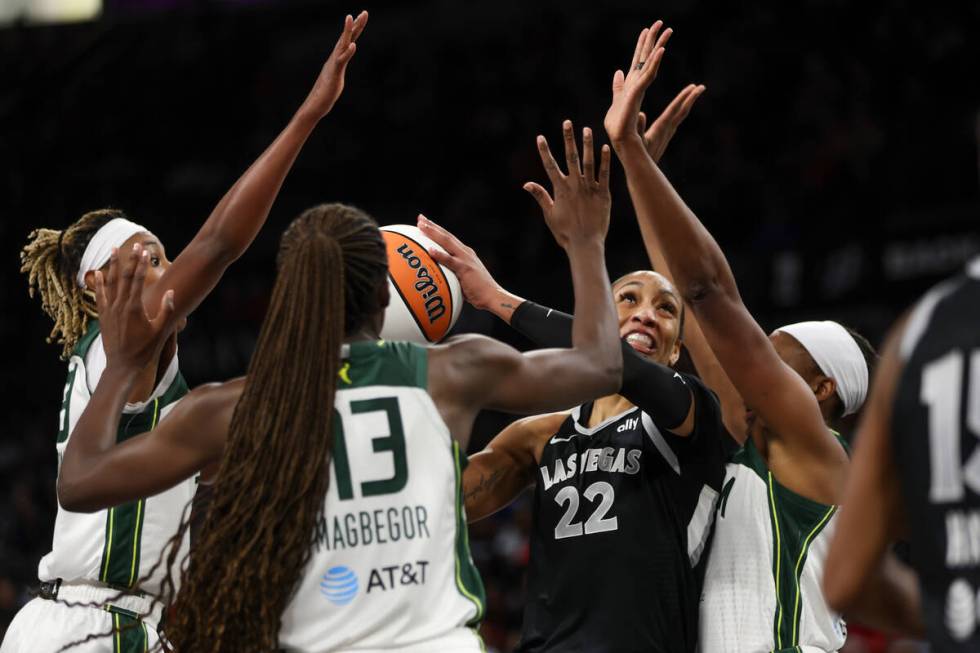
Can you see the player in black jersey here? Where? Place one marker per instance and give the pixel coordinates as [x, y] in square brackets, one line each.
[916, 473]
[624, 487]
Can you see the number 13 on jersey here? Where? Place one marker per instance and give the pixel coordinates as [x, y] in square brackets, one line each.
[378, 420]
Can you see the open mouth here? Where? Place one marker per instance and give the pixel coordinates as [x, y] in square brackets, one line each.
[641, 342]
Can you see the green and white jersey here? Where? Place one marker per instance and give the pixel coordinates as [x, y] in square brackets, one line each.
[116, 546]
[390, 566]
[762, 587]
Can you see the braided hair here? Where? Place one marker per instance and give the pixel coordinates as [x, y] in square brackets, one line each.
[256, 540]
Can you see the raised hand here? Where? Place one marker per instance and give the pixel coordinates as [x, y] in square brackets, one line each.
[330, 84]
[579, 210]
[657, 137]
[131, 338]
[629, 88]
[478, 286]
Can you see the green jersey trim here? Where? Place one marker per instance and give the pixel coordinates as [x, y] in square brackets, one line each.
[124, 530]
[468, 579]
[129, 632]
[795, 521]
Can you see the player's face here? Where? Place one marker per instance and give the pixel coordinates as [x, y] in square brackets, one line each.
[158, 260]
[793, 354]
[649, 315]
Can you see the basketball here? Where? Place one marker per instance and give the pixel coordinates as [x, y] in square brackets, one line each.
[425, 296]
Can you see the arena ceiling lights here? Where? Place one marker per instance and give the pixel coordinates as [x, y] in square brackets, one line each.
[48, 11]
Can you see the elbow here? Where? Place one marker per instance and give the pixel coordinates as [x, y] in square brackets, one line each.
[220, 247]
[701, 288]
[72, 500]
[225, 250]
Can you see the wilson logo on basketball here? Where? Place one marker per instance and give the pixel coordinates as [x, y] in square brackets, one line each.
[435, 307]
[425, 295]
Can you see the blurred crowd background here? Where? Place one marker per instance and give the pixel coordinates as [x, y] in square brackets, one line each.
[834, 157]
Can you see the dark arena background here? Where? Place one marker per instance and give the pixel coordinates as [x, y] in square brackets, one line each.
[834, 156]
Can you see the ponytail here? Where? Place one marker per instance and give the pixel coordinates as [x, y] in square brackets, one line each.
[274, 476]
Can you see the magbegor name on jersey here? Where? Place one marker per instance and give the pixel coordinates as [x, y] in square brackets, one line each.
[605, 459]
[366, 527]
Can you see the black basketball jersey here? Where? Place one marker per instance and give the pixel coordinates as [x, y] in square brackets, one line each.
[622, 516]
[936, 430]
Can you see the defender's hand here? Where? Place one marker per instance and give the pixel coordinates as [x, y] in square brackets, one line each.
[330, 84]
[629, 88]
[580, 208]
[131, 338]
[658, 136]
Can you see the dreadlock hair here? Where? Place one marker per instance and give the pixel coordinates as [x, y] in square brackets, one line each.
[269, 492]
[51, 259]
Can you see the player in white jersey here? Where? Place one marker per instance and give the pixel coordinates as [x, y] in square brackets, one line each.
[762, 585]
[94, 556]
[336, 521]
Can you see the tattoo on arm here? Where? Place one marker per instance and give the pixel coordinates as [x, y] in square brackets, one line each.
[486, 484]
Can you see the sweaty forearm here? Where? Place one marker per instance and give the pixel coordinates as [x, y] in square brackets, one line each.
[94, 433]
[696, 262]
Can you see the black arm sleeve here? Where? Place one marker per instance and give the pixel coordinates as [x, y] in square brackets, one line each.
[656, 389]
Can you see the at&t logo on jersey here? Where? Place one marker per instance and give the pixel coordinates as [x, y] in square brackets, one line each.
[394, 576]
[339, 585]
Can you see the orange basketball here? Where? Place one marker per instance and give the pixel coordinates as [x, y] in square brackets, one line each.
[425, 297]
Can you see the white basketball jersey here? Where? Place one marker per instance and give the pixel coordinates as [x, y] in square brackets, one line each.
[118, 546]
[762, 588]
[390, 567]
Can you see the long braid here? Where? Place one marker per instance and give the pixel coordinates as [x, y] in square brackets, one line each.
[274, 476]
[51, 259]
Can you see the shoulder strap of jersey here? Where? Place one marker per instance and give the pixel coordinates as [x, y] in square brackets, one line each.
[91, 333]
[385, 363]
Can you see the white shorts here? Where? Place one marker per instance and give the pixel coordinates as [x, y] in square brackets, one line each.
[45, 625]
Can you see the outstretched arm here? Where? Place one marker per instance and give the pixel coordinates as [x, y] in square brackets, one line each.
[862, 578]
[804, 455]
[655, 140]
[97, 473]
[476, 372]
[237, 218]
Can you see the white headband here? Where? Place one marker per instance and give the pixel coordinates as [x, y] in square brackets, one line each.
[837, 355]
[113, 233]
